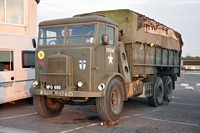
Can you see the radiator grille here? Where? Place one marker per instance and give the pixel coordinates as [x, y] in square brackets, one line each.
[56, 65]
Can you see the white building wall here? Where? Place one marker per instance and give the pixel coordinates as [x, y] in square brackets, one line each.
[29, 26]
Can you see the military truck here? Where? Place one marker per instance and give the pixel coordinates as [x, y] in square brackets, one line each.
[104, 58]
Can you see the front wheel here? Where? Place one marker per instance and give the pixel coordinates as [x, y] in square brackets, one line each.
[110, 106]
[47, 107]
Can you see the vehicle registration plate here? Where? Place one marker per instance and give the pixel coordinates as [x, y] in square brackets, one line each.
[53, 87]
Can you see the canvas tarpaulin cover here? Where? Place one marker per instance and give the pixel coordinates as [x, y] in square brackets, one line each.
[136, 27]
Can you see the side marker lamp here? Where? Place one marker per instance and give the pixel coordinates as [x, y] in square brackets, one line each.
[101, 86]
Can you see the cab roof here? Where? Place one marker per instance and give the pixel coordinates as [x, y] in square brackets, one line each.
[83, 19]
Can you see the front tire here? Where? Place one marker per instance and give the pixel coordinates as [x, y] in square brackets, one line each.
[47, 107]
[158, 93]
[110, 106]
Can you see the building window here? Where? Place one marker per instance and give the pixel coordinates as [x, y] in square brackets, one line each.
[12, 11]
[2, 11]
[6, 61]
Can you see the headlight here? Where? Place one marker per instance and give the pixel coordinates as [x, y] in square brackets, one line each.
[35, 83]
[80, 84]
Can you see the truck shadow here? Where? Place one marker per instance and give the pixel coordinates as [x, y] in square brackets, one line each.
[17, 103]
[88, 113]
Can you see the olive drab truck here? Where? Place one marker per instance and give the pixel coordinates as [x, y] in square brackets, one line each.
[104, 58]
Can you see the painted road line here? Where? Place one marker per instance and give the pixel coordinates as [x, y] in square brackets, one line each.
[156, 110]
[11, 117]
[135, 115]
[91, 125]
[173, 96]
[198, 84]
[125, 117]
[71, 130]
[189, 88]
[185, 104]
[95, 124]
[14, 130]
[168, 121]
[184, 84]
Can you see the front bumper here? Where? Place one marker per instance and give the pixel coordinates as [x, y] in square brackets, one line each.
[64, 93]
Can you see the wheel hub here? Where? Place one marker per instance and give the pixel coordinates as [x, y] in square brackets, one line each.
[114, 98]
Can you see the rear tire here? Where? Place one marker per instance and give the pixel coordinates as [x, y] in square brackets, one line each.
[47, 107]
[110, 106]
[158, 93]
[168, 88]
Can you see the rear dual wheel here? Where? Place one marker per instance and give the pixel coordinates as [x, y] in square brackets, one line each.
[168, 88]
[158, 92]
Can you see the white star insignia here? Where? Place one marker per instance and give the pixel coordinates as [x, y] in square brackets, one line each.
[110, 59]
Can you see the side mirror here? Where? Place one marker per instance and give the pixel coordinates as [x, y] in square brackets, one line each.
[105, 39]
[34, 43]
[121, 32]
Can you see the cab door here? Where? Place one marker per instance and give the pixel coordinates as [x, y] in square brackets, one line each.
[6, 74]
[106, 57]
[111, 56]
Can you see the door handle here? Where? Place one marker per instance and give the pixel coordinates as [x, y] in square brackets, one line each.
[12, 78]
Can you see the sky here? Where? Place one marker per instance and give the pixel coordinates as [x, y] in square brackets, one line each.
[180, 15]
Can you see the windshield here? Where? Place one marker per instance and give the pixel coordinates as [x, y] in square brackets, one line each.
[78, 34]
[52, 36]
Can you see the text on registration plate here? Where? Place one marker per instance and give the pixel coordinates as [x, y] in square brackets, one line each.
[53, 87]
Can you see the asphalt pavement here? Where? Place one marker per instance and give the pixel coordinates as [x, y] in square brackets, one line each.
[181, 115]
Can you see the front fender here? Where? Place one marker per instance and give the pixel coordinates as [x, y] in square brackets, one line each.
[106, 80]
